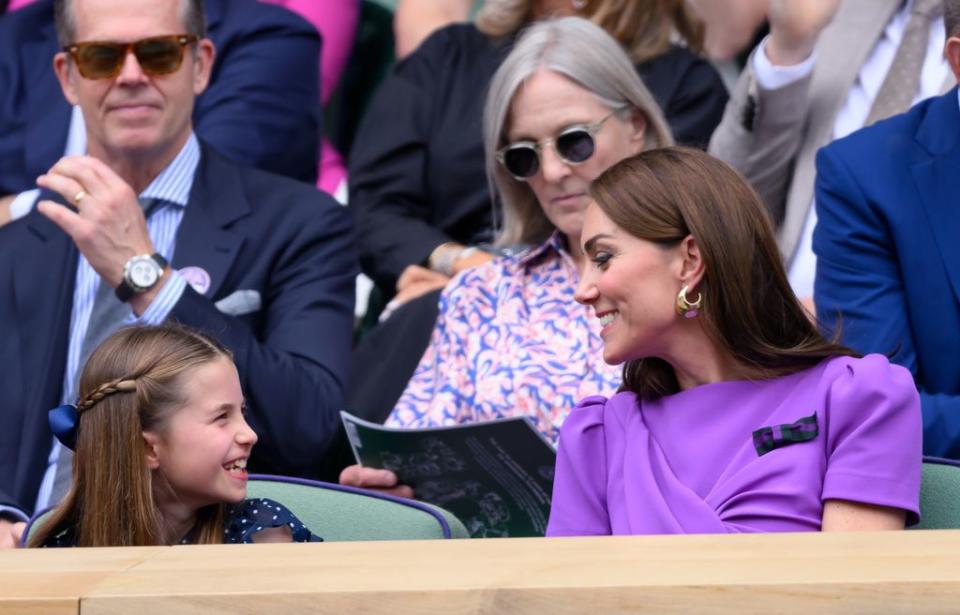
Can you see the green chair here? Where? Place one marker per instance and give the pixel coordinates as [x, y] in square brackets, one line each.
[337, 513]
[939, 495]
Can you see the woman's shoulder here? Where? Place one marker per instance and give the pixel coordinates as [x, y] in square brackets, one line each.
[870, 372]
[257, 514]
[599, 412]
[487, 279]
[858, 387]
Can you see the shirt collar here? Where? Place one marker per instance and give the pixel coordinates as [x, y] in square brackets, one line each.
[556, 244]
[176, 179]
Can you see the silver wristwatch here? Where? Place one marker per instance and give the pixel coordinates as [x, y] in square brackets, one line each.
[140, 274]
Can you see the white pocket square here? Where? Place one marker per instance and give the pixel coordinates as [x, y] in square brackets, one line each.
[239, 303]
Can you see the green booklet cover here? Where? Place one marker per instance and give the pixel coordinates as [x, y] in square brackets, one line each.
[495, 476]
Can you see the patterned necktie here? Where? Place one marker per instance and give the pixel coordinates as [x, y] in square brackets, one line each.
[902, 82]
[106, 317]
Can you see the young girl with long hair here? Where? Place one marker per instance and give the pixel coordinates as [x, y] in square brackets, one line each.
[161, 446]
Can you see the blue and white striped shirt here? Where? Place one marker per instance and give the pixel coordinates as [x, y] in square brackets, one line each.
[171, 188]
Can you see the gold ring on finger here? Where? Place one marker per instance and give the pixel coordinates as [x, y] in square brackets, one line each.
[79, 196]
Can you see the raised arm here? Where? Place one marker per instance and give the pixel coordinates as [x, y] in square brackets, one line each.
[763, 124]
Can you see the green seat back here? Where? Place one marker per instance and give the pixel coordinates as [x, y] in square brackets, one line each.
[939, 495]
[337, 513]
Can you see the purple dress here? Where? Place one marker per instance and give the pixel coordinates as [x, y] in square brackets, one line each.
[744, 456]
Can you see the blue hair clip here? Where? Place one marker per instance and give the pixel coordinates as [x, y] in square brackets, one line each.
[63, 424]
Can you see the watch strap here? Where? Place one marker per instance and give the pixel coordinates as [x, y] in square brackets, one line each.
[125, 292]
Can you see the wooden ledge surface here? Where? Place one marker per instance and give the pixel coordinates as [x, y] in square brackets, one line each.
[908, 572]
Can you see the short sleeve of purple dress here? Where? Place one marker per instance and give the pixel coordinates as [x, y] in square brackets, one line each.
[745, 456]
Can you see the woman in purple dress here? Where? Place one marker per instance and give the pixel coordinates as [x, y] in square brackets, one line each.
[735, 414]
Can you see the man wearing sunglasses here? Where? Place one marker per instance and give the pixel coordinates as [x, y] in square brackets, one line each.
[152, 225]
[260, 109]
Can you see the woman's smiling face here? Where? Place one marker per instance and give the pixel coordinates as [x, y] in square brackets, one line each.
[632, 285]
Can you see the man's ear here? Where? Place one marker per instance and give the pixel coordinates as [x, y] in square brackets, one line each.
[951, 51]
[203, 60]
[692, 266]
[151, 449]
[66, 72]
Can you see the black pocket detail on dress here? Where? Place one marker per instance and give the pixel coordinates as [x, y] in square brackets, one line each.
[767, 439]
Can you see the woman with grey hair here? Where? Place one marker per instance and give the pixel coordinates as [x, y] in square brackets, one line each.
[510, 340]
[414, 185]
[421, 204]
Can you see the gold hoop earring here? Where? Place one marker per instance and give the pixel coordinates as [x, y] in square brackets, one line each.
[685, 308]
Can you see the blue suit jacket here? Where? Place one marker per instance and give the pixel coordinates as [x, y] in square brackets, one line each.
[261, 108]
[888, 252]
[250, 230]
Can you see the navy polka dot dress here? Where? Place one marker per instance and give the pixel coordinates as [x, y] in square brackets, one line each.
[247, 518]
[243, 521]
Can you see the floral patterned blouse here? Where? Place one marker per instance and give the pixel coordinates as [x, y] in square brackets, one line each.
[510, 341]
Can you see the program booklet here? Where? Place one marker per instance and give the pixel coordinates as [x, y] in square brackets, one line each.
[495, 476]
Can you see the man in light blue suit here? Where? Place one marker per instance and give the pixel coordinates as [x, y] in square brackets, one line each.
[888, 246]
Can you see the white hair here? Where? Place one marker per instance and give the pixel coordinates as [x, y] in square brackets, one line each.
[586, 54]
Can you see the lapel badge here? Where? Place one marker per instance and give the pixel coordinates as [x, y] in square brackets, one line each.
[197, 278]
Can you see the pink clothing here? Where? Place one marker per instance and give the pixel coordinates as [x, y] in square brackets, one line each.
[509, 341]
[336, 21]
[18, 4]
[745, 456]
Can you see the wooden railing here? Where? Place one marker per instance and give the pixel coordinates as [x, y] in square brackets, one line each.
[895, 572]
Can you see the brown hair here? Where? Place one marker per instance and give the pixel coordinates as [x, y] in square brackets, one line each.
[749, 309]
[132, 383]
[645, 28]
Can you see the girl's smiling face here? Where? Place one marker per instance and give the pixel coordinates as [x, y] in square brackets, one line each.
[202, 451]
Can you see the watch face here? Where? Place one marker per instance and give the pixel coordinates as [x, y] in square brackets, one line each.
[143, 273]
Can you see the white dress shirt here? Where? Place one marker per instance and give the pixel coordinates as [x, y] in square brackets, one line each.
[802, 267]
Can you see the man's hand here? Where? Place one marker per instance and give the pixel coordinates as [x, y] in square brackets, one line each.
[795, 27]
[10, 533]
[5, 202]
[384, 481]
[108, 226]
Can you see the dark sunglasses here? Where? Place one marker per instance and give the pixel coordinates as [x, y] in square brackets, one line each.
[574, 145]
[157, 55]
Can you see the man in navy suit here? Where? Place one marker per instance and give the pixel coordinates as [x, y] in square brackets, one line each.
[888, 246]
[261, 108]
[153, 215]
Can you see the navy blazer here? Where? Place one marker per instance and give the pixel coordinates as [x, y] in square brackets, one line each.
[261, 108]
[250, 230]
[888, 252]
